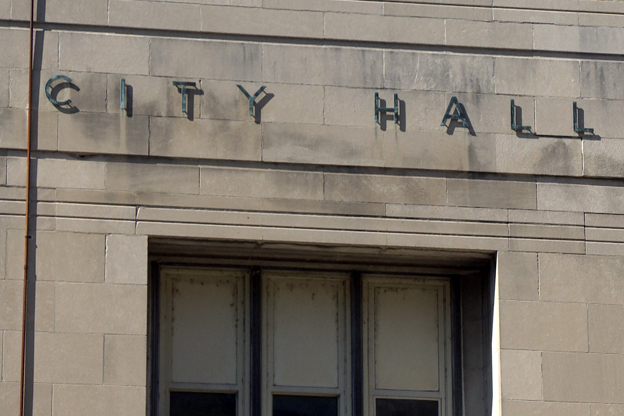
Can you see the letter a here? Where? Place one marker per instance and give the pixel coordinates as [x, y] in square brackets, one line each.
[458, 114]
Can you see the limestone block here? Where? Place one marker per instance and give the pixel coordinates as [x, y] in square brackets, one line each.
[103, 133]
[126, 259]
[125, 360]
[583, 377]
[598, 409]
[313, 65]
[15, 54]
[440, 150]
[251, 21]
[5, 9]
[604, 220]
[124, 54]
[489, 34]
[543, 326]
[554, 116]
[9, 398]
[323, 207]
[261, 183]
[385, 188]
[537, 4]
[356, 107]
[547, 231]
[95, 196]
[209, 139]
[149, 14]
[606, 328]
[584, 39]
[199, 231]
[521, 375]
[279, 103]
[84, 12]
[537, 77]
[592, 279]
[4, 87]
[80, 225]
[58, 173]
[3, 257]
[580, 198]
[535, 16]
[446, 227]
[543, 156]
[145, 177]
[377, 28]
[95, 211]
[68, 358]
[599, 6]
[491, 194]
[437, 10]
[546, 246]
[603, 116]
[539, 408]
[449, 242]
[600, 19]
[12, 128]
[337, 237]
[77, 400]
[437, 212]
[14, 254]
[438, 72]
[11, 305]
[199, 201]
[205, 59]
[101, 308]
[348, 6]
[70, 257]
[44, 306]
[332, 145]
[518, 277]
[601, 79]
[605, 234]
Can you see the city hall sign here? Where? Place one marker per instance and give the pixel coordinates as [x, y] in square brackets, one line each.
[455, 110]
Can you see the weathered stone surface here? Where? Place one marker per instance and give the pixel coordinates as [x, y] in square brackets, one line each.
[205, 59]
[486, 111]
[101, 308]
[265, 183]
[103, 133]
[389, 189]
[603, 116]
[535, 16]
[77, 400]
[126, 259]
[598, 409]
[546, 246]
[601, 19]
[124, 360]
[543, 156]
[85, 12]
[537, 77]
[606, 328]
[521, 375]
[326, 5]
[554, 117]
[385, 28]
[125, 54]
[607, 40]
[539, 408]
[436, 10]
[605, 234]
[143, 177]
[70, 257]
[437, 212]
[313, 65]
[438, 150]
[239, 20]
[543, 326]
[580, 198]
[592, 279]
[536, 4]
[149, 14]
[604, 220]
[491, 194]
[209, 139]
[489, 34]
[600, 79]
[518, 277]
[583, 377]
[438, 72]
[331, 145]
[559, 232]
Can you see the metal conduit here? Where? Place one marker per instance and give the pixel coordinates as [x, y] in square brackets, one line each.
[27, 214]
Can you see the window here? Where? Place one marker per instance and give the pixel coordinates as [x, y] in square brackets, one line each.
[303, 343]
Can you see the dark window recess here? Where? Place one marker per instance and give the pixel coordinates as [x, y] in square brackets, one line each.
[202, 404]
[395, 407]
[305, 406]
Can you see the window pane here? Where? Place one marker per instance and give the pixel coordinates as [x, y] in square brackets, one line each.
[202, 404]
[395, 407]
[305, 406]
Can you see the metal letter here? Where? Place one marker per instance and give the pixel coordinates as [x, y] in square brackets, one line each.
[517, 127]
[251, 98]
[182, 85]
[394, 110]
[48, 90]
[122, 94]
[458, 114]
[577, 129]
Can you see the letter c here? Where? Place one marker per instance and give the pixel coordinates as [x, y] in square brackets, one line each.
[48, 90]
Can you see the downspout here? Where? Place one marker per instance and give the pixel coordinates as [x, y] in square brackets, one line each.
[27, 214]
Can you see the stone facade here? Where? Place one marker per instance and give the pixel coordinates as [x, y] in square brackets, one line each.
[311, 168]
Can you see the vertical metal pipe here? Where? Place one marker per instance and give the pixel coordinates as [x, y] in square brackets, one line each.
[27, 214]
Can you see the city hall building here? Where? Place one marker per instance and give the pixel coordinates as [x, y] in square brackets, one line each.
[312, 208]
